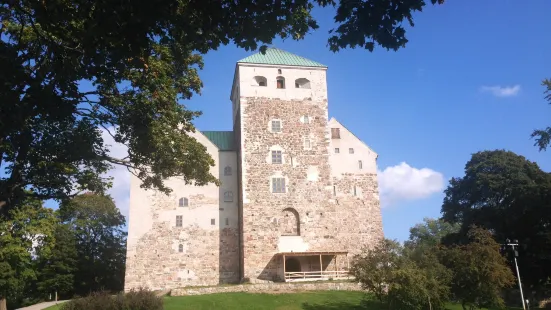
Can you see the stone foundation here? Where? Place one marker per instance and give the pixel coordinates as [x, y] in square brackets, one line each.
[271, 288]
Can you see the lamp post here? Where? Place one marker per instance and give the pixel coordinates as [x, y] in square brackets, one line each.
[514, 246]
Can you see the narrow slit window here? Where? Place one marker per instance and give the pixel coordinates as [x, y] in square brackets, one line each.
[360, 165]
[334, 190]
[181, 248]
[227, 221]
[354, 190]
[212, 221]
[307, 143]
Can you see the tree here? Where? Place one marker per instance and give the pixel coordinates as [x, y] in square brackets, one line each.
[403, 280]
[24, 232]
[430, 232]
[543, 136]
[57, 270]
[374, 268]
[100, 242]
[511, 196]
[480, 273]
[71, 69]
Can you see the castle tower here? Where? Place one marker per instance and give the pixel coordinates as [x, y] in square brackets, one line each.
[298, 215]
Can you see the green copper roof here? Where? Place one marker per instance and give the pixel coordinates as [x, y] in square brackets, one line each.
[275, 56]
[222, 139]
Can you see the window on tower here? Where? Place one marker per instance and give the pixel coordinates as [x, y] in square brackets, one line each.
[335, 133]
[278, 185]
[302, 83]
[280, 82]
[276, 157]
[228, 196]
[259, 81]
[276, 126]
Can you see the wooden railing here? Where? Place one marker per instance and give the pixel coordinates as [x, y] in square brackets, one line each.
[316, 275]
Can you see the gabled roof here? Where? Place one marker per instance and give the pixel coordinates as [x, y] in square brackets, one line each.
[222, 139]
[275, 56]
[336, 121]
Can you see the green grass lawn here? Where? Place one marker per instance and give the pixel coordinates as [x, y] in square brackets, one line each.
[324, 300]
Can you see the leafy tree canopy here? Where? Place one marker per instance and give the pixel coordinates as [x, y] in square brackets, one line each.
[71, 68]
[480, 272]
[97, 225]
[511, 196]
[26, 232]
[430, 232]
[543, 136]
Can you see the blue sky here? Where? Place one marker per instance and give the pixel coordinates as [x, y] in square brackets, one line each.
[468, 80]
[425, 105]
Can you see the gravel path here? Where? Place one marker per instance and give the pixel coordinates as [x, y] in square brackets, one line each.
[42, 305]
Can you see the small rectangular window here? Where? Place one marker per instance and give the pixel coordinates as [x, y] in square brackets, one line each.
[212, 221]
[337, 151]
[306, 119]
[360, 165]
[354, 190]
[351, 150]
[334, 190]
[278, 185]
[178, 221]
[276, 157]
[276, 126]
[228, 196]
[227, 221]
[335, 133]
[280, 84]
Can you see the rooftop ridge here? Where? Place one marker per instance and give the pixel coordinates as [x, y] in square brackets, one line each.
[277, 56]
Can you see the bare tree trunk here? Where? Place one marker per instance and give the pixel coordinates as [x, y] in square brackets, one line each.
[55, 295]
[3, 305]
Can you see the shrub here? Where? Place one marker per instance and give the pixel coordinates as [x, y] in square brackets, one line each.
[133, 300]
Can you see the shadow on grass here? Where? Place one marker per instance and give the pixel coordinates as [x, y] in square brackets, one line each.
[366, 304]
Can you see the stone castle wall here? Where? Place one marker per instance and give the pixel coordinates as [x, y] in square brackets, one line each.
[326, 223]
[204, 251]
[269, 288]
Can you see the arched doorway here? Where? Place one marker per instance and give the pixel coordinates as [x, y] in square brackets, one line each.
[292, 265]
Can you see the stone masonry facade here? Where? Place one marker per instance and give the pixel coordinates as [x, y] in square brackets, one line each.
[289, 184]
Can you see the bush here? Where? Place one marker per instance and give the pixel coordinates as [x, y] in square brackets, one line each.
[545, 304]
[133, 300]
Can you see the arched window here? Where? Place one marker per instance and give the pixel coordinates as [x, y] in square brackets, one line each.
[183, 202]
[259, 81]
[278, 71]
[302, 83]
[227, 170]
[290, 223]
[181, 248]
[280, 82]
[228, 196]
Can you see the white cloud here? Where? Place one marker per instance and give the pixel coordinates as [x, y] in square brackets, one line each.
[403, 182]
[121, 177]
[501, 91]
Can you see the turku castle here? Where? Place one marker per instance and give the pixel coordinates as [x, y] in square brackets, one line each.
[298, 195]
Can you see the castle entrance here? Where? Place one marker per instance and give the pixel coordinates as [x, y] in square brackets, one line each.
[311, 266]
[292, 265]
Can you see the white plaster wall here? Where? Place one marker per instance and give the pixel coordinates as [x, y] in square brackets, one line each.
[316, 76]
[344, 162]
[292, 244]
[200, 211]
